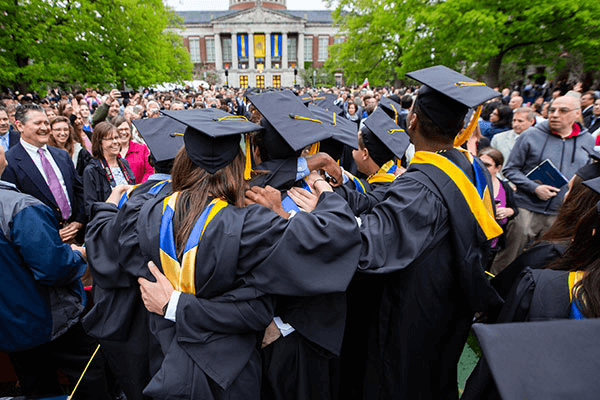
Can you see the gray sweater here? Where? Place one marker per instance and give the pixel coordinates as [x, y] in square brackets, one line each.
[534, 146]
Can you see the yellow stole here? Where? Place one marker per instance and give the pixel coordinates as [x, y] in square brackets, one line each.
[478, 198]
[384, 174]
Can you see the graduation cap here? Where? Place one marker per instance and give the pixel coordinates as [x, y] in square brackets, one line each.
[327, 102]
[212, 137]
[593, 183]
[557, 359]
[290, 126]
[383, 138]
[306, 98]
[391, 108]
[447, 96]
[345, 130]
[163, 135]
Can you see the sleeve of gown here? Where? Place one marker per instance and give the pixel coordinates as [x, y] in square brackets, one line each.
[311, 253]
[103, 238]
[400, 228]
[196, 314]
[358, 202]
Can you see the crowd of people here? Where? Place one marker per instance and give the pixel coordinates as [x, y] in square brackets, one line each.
[338, 243]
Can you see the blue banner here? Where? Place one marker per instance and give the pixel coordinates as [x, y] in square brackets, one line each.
[275, 45]
[242, 45]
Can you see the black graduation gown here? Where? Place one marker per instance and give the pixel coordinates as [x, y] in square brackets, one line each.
[539, 295]
[119, 319]
[359, 202]
[425, 239]
[244, 254]
[303, 364]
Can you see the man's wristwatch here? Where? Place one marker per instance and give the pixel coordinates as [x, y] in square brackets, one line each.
[164, 309]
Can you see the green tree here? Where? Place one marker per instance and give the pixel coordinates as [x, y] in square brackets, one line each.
[374, 32]
[93, 42]
[476, 35]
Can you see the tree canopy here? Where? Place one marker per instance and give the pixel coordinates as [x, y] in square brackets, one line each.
[89, 43]
[387, 38]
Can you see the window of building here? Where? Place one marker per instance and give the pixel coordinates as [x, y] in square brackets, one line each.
[292, 49]
[276, 80]
[195, 50]
[323, 47]
[308, 42]
[244, 81]
[226, 47]
[210, 50]
[260, 81]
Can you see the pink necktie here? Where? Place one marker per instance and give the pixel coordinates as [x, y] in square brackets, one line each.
[55, 187]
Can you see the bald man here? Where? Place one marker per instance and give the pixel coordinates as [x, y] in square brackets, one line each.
[560, 140]
[515, 102]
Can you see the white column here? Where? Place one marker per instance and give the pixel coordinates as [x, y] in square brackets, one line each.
[218, 53]
[234, 51]
[267, 50]
[300, 50]
[251, 51]
[284, 54]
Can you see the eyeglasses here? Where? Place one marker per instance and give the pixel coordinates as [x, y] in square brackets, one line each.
[562, 110]
[109, 139]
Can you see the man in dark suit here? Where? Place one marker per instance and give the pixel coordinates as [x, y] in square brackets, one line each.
[594, 120]
[45, 172]
[8, 136]
[587, 105]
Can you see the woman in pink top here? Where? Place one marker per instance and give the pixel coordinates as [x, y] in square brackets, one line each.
[136, 154]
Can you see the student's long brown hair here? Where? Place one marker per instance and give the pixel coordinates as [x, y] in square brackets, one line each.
[580, 199]
[583, 254]
[196, 186]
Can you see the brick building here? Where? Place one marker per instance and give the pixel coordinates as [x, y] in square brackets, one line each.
[258, 43]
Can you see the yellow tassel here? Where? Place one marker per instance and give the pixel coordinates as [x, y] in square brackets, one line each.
[314, 149]
[304, 118]
[466, 134]
[395, 114]
[248, 168]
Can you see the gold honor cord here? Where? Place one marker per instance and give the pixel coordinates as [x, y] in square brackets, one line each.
[395, 114]
[467, 84]
[466, 134]
[391, 131]
[83, 373]
[232, 118]
[304, 118]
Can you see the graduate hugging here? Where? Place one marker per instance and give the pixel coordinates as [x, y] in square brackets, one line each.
[251, 274]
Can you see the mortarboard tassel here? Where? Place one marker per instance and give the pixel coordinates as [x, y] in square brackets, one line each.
[248, 168]
[466, 134]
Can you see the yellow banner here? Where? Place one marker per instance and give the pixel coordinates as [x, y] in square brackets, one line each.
[259, 46]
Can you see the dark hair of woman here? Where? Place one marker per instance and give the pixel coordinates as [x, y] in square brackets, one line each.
[119, 119]
[488, 109]
[430, 130]
[583, 254]
[102, 130]
[494, 154]
[505, 115]
[196, 186]
[70, 143]
[580, 199]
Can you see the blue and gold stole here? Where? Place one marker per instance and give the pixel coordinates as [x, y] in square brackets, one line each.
[357, 183]
[476, 194]
[385, 173]
[153, 190]
[182, 275]
[574, 308]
